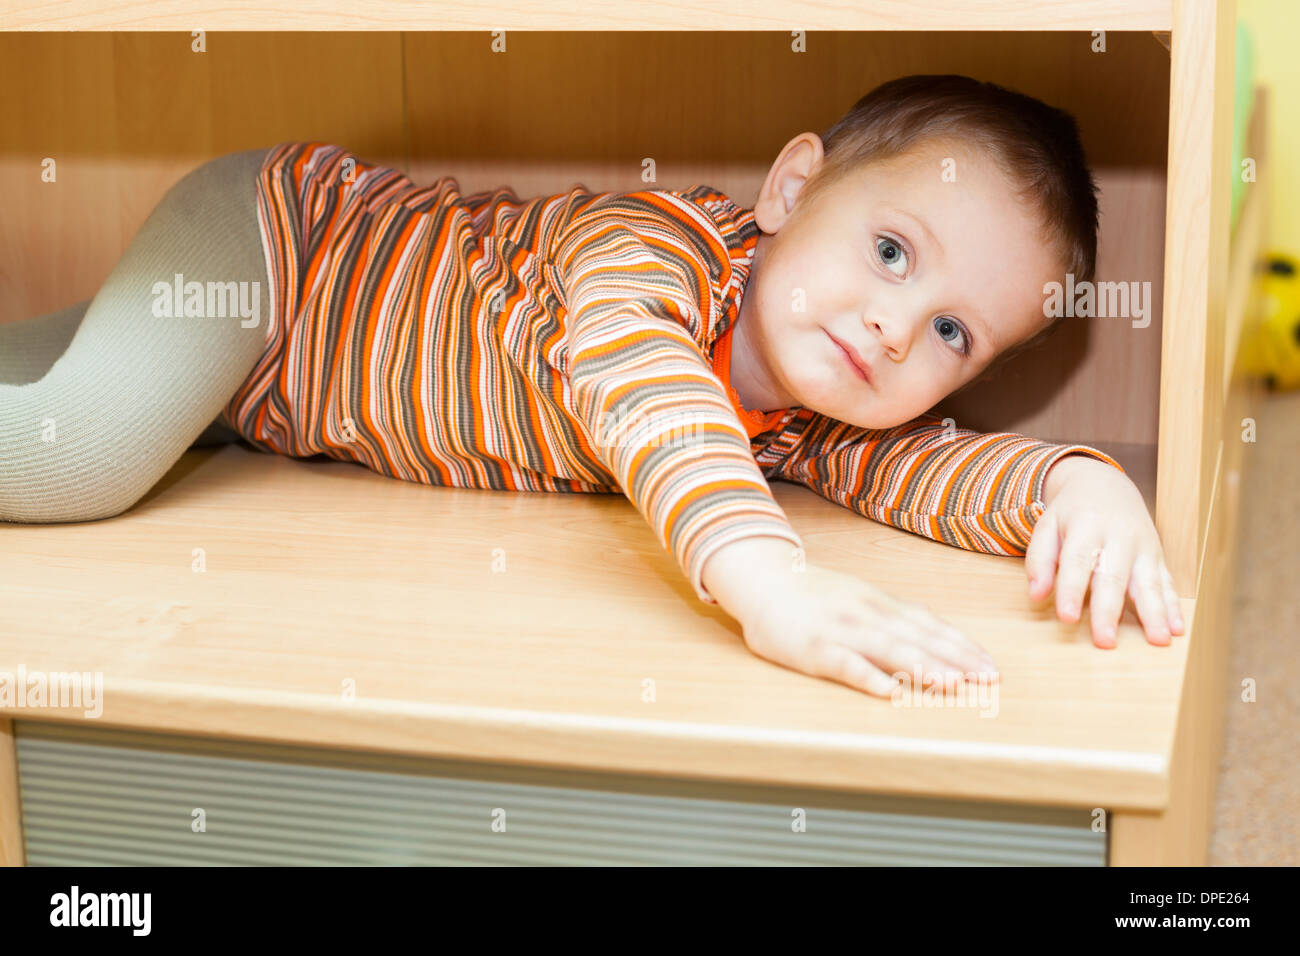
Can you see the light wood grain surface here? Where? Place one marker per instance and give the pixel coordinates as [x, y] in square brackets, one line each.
[318, 572]
[1195, 278]
[594, 14]
[132, 113]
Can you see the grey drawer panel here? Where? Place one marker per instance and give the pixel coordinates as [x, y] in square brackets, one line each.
[94, 795]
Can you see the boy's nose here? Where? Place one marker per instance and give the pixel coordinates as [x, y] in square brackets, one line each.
[895, 334]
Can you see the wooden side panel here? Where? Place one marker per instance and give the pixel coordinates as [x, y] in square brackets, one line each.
[1196, 255]
[1180, 836]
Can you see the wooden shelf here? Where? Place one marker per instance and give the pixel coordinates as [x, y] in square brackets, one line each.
[318, 572]
[784, 15]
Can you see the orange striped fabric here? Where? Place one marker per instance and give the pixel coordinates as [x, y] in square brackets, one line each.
[577, 342]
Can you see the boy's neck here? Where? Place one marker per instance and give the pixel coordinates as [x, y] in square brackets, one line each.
[745, 369]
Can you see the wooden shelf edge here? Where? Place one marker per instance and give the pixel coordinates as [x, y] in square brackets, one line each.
[843, 762]
[775, 15]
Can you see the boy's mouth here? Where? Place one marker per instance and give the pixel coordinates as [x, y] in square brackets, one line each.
[856, 361]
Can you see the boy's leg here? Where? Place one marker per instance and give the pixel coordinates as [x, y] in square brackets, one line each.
[29, 347]
[133, 389]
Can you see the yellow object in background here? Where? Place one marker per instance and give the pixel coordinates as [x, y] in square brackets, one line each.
[1275, 30]
[1271, 348]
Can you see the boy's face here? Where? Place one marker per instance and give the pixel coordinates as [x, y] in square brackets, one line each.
[897, 263]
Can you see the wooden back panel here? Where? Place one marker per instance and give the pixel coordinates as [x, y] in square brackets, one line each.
[126, 115]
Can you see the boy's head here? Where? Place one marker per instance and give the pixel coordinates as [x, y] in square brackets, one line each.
[919, 233]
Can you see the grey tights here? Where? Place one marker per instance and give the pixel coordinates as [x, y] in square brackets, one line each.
[99, 400]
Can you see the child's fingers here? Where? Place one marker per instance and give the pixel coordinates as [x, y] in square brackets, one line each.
[1172, 604]
[907, 648]
[1079, 553]
[945, 641]
[897, 644]
[1040, 556]
[1148, 598]
[836, 662]
[1109, 581]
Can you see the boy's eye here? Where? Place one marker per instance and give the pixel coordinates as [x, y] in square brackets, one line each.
[891, 255]
[950, 331]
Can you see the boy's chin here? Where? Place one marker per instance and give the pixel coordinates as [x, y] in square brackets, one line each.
[858, 418]
[869, 414]
[874, 419]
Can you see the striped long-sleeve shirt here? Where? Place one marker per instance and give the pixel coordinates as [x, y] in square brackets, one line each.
[577, 342]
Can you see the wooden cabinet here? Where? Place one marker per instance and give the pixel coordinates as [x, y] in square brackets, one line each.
[319, 573]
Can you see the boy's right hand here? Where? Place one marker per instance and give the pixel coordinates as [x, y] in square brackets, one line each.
[833, 625]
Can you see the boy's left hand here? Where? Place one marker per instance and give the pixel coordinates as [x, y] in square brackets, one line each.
[1097, 528]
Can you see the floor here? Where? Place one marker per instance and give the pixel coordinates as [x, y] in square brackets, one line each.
[1257, 812]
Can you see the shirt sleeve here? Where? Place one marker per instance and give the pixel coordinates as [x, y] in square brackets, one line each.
[973, 490]
[636, 274]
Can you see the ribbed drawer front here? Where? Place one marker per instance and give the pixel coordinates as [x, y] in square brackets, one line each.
[102, 796]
